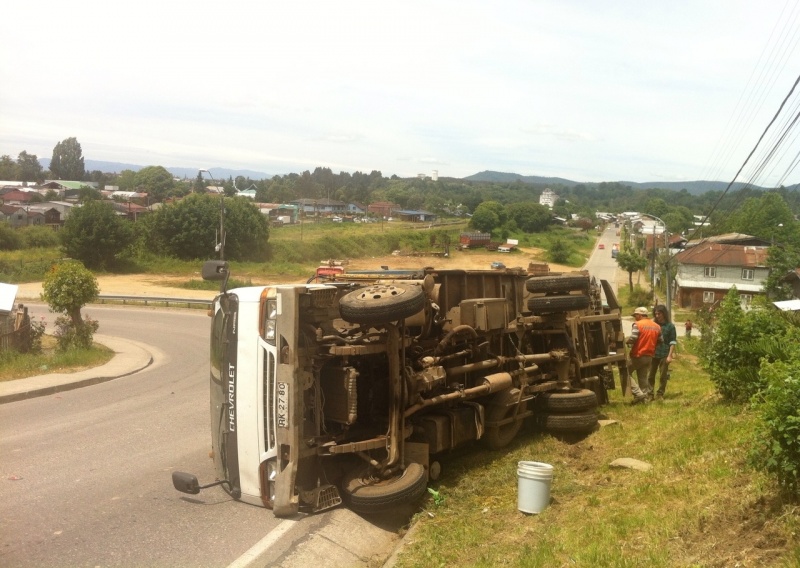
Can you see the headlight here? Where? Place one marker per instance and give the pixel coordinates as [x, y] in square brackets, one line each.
[269, 331]
[269, 473]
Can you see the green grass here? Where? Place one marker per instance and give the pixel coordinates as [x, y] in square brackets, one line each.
[295, 251]
[14, 365]
[700, 505]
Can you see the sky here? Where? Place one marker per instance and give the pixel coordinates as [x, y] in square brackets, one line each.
[588, 91]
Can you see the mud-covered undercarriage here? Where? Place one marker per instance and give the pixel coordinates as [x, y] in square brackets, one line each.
[398, 369]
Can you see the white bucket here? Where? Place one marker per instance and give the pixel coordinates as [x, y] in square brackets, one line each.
[534, 479]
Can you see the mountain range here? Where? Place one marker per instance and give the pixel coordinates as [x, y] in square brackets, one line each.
[220, 173]
[693, 187]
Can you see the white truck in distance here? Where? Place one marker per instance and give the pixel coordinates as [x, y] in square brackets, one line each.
[353, 387]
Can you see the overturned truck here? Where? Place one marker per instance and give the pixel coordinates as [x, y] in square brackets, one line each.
[351, 388]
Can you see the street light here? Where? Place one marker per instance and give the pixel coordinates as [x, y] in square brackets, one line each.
[220, 246]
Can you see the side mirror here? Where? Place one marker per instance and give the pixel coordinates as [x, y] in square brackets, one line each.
[185, 482]
[215, 270]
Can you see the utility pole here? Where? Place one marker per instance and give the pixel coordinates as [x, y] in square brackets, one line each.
[221, 244]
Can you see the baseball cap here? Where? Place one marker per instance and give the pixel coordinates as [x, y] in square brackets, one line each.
[640, 310]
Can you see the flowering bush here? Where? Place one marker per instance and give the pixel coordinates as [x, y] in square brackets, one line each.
[70, 336]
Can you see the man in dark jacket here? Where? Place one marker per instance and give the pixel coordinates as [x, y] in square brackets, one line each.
[665, 350]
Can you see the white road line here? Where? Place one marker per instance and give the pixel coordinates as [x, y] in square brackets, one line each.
[262, 545]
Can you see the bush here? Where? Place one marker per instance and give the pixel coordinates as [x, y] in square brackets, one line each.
[735, 343]
[38, 236]
[560, 252]
[32, 340]
[70, 336]
[9, 238]
[640, 297]
[777, 441]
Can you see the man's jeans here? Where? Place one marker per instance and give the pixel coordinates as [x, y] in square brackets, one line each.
[641, 367]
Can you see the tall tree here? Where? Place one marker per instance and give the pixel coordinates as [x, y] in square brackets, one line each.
[631, 262]
[8, 168]
[156, 181]
[29, 168]
[67, 160]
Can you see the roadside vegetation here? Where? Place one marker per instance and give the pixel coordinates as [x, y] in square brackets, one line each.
[50, 359]
[703, 503]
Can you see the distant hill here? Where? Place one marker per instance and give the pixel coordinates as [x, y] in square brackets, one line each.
[693, 187]
[191, 173]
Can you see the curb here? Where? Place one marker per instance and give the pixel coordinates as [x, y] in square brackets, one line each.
[130, 357]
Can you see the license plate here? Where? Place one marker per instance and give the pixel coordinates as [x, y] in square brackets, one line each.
[283, 406]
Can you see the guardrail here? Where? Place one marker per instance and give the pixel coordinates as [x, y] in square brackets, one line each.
[154, 301]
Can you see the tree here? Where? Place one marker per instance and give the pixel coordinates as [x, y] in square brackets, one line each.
[156, 181]
[8, 168]
[67, 287]
[126, 180]
[188, 229]
[29, 168]
[95, 235]
[631, 262]
[67, 160]
[765, 216]
[86, 193]
[529, 216]
[488, 216]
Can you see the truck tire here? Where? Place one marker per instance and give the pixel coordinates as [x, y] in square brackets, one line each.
[554, 304]
[502, 406]
[583, 422]
[381, 303]
[566, 401]
[563, 283]
[367, 495]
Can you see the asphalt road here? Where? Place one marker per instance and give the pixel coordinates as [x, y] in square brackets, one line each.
[87, 473]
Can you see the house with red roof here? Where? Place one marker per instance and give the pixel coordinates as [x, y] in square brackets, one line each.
[707, 270]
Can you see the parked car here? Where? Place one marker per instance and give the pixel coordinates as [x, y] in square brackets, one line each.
[601, 246]
[337, 219]
[498, 265]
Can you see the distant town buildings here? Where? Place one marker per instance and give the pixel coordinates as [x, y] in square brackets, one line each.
[548, 198]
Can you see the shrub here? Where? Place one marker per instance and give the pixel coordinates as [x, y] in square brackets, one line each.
[735, 343]
[32, 340]
[38, 236]
[560, 252]
[640, 297]
[9, 238]
[70, 336]
[777, 441]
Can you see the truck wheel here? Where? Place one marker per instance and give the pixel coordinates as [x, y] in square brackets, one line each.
[368, 495]
[568, 423]
[554, 304]
[381, 303]
[503, 405]
[573, 400]
[564, 283]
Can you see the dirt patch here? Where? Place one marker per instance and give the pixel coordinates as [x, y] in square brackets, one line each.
[155, 285]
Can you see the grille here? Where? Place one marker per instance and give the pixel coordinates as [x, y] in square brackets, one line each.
[323, 298]
[269, 401]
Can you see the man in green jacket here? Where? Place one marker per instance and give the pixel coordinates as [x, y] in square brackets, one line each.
[665, 350]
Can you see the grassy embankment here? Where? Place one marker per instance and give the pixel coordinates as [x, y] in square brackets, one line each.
[700, 505]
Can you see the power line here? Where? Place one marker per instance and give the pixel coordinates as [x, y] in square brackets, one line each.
[771, 122]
